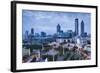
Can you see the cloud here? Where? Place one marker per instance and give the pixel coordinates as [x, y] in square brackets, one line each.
[47, 21]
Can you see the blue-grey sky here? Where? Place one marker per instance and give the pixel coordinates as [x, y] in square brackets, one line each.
[47, 21]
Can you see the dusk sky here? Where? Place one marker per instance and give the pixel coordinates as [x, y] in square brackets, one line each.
[47, 21]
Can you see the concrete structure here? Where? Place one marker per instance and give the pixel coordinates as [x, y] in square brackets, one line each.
[82, 28]
[58, 28]
[76, 26]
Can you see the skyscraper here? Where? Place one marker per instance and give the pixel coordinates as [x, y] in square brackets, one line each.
[32, 31]
[82, 27]
[26, 35]
[58, 28]
[43, 34]
[76, 27]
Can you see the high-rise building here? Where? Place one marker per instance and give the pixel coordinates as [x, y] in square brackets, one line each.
[76, 26]
[32, 31]
[32, 34]
[36, 34]
[43, 34]
[82, 27]
[26, 35]
[58, 28]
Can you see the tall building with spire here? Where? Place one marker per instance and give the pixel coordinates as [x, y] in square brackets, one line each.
[58, 28]
[82, 27]
[76, 26]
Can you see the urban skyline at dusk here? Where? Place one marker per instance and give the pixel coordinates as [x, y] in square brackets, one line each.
[44, 21]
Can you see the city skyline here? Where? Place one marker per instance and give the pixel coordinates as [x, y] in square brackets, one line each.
[44, 21]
